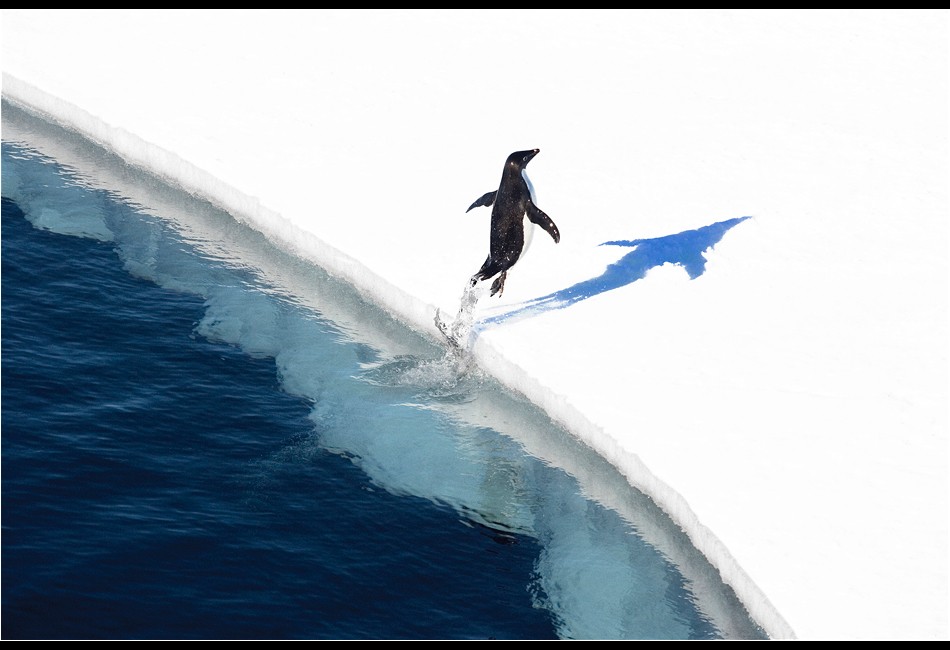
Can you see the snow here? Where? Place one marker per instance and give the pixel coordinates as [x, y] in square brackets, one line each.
[787, 406]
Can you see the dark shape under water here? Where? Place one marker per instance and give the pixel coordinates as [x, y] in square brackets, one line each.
[685, 249]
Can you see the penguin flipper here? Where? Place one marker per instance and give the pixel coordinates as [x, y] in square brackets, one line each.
[536, 215]
[484, 200]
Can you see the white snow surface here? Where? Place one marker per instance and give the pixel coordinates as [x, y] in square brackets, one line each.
[788, 407]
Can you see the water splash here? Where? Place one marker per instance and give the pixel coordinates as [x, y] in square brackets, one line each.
[459, 332]
[450, 379]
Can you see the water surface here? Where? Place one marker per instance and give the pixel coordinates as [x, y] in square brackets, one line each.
[207, 437]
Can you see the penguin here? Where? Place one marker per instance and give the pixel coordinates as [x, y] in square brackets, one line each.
[511, 202]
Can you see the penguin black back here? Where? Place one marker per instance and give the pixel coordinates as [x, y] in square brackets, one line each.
[511, 202]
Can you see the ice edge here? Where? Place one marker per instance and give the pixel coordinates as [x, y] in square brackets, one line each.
[406, 308]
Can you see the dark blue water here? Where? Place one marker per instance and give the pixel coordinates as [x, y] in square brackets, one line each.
[142, 496]
[193, 448]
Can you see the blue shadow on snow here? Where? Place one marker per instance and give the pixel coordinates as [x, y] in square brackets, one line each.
[685, 248]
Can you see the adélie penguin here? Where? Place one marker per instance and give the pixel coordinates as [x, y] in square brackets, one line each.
[512, 202]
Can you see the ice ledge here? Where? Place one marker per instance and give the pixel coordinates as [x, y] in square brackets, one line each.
[408, 309]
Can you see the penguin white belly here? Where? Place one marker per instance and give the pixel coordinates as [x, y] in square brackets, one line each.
[528, 224]
[528, 236]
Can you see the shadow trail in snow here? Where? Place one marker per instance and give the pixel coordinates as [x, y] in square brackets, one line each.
[685, 248]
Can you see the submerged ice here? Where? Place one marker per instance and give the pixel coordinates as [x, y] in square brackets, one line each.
[416, 420]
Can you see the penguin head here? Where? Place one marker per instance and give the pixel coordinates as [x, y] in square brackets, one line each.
[519, 159]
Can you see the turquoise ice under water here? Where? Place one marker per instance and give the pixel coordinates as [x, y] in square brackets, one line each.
[419, 422]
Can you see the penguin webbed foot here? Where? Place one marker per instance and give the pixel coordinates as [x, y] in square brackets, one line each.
[498, 286]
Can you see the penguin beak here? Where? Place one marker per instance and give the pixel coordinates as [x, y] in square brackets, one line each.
[531, 154]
